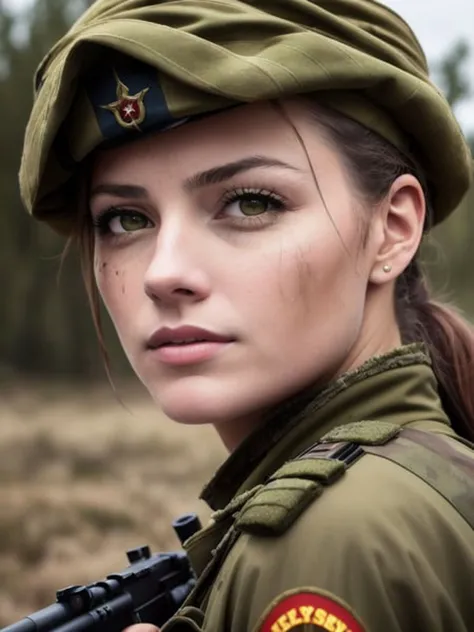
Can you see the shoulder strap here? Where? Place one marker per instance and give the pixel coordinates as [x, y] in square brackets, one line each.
[435, 460]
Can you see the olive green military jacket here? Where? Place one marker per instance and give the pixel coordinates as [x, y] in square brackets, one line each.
[374, 548]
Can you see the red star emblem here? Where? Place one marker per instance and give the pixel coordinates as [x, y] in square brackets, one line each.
[129, 109]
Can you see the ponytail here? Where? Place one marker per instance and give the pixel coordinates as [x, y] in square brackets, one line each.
[450, 341]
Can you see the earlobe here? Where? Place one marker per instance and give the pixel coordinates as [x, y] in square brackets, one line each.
[403, 216]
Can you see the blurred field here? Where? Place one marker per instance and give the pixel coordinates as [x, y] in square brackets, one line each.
[82, 479]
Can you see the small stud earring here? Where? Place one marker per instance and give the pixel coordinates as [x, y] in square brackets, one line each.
[387, 268]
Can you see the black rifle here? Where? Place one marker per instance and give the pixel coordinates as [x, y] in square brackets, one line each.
[150, 590]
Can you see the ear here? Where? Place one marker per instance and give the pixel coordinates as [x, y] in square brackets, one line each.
[402, 216]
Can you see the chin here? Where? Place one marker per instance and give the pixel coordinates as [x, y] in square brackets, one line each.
[198, 400]
[188, 413]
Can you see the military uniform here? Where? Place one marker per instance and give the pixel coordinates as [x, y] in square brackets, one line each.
[373, 544]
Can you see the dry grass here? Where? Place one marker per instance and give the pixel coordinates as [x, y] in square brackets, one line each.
[82, 479]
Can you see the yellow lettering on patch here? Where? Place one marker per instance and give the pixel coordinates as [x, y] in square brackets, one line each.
[306, 612]
[283, 622]
[293, 618]
[319, 617]
[276, 627]
[330, 623]
[341, 626]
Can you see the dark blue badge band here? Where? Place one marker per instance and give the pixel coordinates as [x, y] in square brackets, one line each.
[127, 97]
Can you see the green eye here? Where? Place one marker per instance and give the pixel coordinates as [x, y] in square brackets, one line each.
[243, 204]
[130, 222]
[126, 222]
[253, 205]
[116, 221]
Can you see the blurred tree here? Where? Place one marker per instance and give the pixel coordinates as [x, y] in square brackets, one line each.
[451, 260]
[45, 325]
[452, 72]
[451, 69]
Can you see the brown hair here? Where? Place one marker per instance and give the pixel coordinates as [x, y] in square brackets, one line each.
[373, 164]
[83, 237]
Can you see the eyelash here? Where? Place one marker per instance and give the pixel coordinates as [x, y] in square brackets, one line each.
[101, 222]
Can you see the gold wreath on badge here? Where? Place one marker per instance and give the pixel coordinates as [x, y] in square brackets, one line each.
[129, 109]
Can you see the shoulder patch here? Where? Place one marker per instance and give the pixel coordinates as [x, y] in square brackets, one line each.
[289, 491]
[279, 503]
[308, 609]
[276, 506]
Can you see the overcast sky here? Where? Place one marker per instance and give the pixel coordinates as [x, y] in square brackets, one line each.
[438, 24]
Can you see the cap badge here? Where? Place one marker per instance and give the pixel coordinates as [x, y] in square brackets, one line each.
[129, 109]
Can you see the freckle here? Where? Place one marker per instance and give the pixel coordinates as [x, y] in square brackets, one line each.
[123, 289]
[104, 265]
[116, 272]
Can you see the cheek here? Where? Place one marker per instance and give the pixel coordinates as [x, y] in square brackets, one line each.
[112, 283]
[321, 309]
[320, 279]
[328, 282]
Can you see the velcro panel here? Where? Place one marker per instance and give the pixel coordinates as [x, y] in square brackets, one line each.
[363, 432]
[314, 469]
[235, 504]
[272, 510]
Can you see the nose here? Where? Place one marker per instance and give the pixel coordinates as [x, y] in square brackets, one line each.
[177, 271]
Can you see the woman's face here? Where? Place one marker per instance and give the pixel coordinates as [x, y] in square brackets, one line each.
[218, 225]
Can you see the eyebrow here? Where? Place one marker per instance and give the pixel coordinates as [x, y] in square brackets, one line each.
[215, 175]
[130, 191]
[230, 169]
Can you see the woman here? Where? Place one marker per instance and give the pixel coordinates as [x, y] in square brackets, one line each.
[250, 183]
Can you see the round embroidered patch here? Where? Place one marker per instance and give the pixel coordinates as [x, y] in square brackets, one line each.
[306, 609]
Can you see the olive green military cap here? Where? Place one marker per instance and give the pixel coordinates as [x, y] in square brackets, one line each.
[128, 66]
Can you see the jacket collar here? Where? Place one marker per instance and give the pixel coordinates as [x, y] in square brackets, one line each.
[399, 387]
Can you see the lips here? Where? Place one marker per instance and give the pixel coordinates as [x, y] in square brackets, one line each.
[184, 335]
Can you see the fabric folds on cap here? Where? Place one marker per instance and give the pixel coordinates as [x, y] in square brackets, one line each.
[130, 66]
